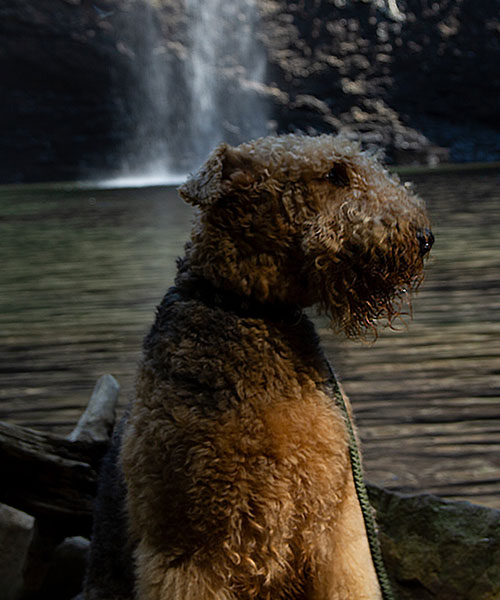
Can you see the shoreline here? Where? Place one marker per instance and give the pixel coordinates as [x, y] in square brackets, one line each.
[126, 183]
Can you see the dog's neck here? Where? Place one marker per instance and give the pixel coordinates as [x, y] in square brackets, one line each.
[297, 329]
[201, 289]
[247, 261]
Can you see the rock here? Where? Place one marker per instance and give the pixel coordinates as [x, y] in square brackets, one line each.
[439, 550]
[65, 576]
[16, 530]
[417, 74]
[96, 423]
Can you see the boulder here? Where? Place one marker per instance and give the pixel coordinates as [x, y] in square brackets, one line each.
[65, 576]
[16, 531]
[439, 550]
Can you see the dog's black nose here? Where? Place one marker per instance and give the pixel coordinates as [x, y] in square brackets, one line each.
[425, 239]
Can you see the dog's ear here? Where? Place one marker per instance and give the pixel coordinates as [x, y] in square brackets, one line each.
[225, 169]
[206, 186]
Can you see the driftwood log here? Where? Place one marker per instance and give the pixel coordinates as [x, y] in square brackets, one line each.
[54, 479]
[434, 549]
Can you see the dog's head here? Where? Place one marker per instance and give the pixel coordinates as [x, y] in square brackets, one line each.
[309, 220]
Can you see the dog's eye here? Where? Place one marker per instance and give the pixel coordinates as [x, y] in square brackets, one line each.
[338, 176]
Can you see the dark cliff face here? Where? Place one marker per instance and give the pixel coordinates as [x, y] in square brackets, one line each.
[58, 95]
[407, 82]
[424, 85]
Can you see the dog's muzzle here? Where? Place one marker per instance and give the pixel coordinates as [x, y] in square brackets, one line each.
[425, 240]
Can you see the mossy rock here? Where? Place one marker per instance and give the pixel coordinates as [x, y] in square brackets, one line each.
[439, 550]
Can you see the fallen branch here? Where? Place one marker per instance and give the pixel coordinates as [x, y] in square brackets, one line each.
[49, 477]
[52, 478]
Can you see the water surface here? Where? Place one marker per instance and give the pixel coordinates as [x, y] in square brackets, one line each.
[82, 271]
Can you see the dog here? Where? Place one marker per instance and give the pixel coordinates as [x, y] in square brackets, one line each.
[230, 476]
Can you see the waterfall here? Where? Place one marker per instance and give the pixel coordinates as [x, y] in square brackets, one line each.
[189, 95]
[224, 59]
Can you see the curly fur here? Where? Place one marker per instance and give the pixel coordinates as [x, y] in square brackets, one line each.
[274, 227]
[234, 457]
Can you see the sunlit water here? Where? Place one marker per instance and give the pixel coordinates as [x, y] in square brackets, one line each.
[154, 179]
[83, 269]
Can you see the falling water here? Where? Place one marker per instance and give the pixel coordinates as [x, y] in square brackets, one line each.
[225, 60]
[188, 96]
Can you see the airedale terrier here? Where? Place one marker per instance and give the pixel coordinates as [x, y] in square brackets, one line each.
[234, 460]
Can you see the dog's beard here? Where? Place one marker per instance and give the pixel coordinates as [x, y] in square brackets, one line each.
[362, 290]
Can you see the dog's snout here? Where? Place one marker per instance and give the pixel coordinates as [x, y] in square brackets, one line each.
[425, 240]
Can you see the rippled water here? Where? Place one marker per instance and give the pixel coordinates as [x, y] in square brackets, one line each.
[82, 271]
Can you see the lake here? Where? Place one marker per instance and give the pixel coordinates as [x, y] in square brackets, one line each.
[83, 269]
